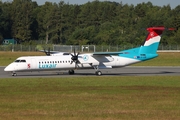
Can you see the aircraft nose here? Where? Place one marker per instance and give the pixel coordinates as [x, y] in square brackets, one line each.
[8, 68]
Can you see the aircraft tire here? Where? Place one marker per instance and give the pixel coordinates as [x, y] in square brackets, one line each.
[14, 74]
[71, 72]
[99, 73]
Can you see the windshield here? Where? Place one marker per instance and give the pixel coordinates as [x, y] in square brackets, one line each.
[23, 60]
[19, 61]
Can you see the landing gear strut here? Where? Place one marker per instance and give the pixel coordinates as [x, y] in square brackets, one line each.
[98, 72]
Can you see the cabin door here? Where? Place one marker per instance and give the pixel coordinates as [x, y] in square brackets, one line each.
[33, 64]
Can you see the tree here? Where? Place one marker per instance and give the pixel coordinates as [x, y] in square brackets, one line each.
[5, 21]
[21, 15]
[44, 21]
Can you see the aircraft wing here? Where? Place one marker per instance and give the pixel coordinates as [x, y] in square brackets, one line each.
[107, 53]
[98, 57]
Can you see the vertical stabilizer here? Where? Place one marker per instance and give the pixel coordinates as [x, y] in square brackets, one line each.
[152, 40]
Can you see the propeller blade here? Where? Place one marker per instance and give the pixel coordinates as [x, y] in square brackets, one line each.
[74, 52]
[47, 52]
[74, 58]
[78, 54]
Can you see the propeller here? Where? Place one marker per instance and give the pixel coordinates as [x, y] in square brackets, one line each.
[48, 53]
[74, 58]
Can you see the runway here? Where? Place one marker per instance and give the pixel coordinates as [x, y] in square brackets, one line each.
[125, 71]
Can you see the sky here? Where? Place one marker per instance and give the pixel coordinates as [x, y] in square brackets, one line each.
[172, 3]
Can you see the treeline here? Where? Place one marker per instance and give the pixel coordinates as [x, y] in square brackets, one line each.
[97, 23]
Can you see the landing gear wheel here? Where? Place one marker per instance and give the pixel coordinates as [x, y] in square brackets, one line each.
[14, 74]
[71, 72]
[99, 73]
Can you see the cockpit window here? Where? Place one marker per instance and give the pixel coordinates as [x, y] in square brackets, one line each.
[17, 61]
[22, 61]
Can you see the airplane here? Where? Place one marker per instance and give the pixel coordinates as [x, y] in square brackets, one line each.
[96, 60]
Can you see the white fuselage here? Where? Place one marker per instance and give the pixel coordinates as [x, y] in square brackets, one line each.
[64, 62]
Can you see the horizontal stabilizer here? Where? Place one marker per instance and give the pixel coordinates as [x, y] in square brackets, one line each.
[171, 29]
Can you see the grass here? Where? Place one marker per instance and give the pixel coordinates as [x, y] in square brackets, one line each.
[164, 59]
[98, 98]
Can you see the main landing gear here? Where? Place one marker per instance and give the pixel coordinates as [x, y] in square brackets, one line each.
[98, 72]
[71, 72]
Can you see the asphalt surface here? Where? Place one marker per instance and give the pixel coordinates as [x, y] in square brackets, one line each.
[125, 71]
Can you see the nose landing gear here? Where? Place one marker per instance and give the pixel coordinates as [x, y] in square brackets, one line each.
[14, 74]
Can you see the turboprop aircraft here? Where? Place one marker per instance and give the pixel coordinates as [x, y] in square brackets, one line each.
[96, 60]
